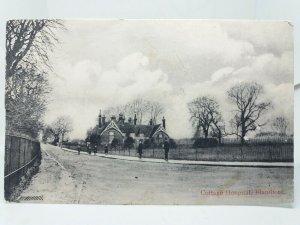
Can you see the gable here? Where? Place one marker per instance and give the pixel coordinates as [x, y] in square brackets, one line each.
[112, 125]
[158, 129]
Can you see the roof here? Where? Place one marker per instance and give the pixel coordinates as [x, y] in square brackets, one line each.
[127, 128]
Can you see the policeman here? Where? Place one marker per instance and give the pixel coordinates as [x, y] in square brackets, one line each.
[140, 149]
[166, 148]
[106, 149]
[95, 149]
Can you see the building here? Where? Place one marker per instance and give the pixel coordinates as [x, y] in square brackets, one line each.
[120, 129]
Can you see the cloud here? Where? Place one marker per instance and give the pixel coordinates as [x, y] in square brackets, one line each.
[83, 88]
[273, 37]
[274, 73]
[106, 63]
[221, 74]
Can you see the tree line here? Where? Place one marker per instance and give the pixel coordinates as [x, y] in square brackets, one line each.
[143, 109]
[248, 109]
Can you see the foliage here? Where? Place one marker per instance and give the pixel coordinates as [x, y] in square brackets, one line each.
[128, 143]
[205, 142]
[172, 143]
[93, 138]
[115, 142]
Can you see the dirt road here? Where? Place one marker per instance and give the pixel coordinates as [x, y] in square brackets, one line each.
[66, 177]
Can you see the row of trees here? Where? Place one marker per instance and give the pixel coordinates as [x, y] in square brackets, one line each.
[246, 115]
[28, 43]
[144, 110]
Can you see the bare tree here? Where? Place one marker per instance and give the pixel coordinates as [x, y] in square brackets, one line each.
[155, 111]
[248, 110]
[28, 43]
[114, 110]
[280, 125]
[218, 125]
[59, 128]
[144, 110]
[140, 107]
[204, 111]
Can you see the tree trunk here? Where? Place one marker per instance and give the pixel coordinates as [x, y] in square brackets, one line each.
[56, 139]
[205, 133]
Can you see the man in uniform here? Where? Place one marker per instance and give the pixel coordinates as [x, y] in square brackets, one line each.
[166, 148]
[106, 149]
[140, 149]
[95, 149]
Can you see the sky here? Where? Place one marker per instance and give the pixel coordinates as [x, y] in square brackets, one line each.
[104, 63]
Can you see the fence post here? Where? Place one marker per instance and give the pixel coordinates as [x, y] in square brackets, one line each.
[270, 154]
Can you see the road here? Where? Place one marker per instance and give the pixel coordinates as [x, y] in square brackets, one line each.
[66, 177]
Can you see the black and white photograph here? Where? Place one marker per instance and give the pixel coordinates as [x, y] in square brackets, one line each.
[149, 112]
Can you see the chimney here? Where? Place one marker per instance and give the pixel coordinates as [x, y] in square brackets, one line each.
[135, 119]
[164, 122]
[103, 119]
[121, 118]
[100, 119]
[113, 118]
[151, 122]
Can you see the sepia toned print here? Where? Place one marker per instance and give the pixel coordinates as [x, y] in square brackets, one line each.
[149, 112]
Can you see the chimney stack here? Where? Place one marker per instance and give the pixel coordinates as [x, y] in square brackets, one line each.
[121, 118]
[151, 122]
[103, 119]
[113, 118]
[100, 119]
[164, 122]
[135, 119]
[130, 120]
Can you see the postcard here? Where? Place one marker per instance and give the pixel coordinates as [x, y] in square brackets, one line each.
[159, 112]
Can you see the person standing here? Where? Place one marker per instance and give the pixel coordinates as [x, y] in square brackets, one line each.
[106, 149]
[166, 148]
[79, 149]
[95, 149]
[140, 149]
[89, 150]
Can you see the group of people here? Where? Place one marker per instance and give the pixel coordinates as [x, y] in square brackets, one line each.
[166, 146]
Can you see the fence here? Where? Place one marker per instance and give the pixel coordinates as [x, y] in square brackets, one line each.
[272, 149]
[278, 153]
[20, 154]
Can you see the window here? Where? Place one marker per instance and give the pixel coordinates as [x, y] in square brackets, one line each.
[111, 136]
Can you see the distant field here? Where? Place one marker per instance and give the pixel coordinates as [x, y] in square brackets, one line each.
[249, 153]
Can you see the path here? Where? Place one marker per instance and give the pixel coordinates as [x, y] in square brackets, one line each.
[66, 177]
